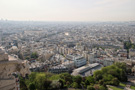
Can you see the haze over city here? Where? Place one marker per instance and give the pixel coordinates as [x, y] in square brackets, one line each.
[68, 10]
[67, 44]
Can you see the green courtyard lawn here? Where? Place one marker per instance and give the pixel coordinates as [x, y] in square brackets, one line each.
[121, 87]
[133, 87]
[122, 84]
[115, 88]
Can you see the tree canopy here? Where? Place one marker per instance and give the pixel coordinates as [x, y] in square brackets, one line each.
[110, 75]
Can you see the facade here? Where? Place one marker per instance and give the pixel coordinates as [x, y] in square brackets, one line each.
[62, 50]
[58, 69]
[69, 64]
[103, 61]
[66, 66]
[78, 60]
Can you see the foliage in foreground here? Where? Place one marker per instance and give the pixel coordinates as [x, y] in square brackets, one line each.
[110, 75]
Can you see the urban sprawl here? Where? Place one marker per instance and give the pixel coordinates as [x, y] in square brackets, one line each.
[79, 48]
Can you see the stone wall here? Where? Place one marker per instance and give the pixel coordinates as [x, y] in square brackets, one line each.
[3, 57]
[7, 68]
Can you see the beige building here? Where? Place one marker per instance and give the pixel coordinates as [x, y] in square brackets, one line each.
[9, 65]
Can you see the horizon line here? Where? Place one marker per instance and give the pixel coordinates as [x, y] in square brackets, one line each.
[63, 21]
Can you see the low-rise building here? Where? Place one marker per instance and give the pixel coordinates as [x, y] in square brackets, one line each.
[86, 70]
[58, 69]
[103, 61]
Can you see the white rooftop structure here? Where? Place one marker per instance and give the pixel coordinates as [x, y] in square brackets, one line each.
[86, 70]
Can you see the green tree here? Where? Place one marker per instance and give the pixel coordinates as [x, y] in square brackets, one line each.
[107, 77]
[47, 84]
[22, 84]
[98, 75]
[120, 65]
[32, 76]
[110, 75]
[77, 79]
[39, 81]
[75, 85]
[66, 77]
[34, 55]
[127, 45]
[90, 88]
[133, 46]
[115, 81]
[96, 86]
[62, 83]
[102, 88]
[55, 84]
[101, 82]
[32, 86]
[129, 71]
[89, 80]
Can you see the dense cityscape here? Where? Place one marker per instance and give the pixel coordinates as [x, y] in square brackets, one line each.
[60, 55]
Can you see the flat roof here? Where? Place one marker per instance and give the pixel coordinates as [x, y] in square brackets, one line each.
[87, 66]
[12, 58]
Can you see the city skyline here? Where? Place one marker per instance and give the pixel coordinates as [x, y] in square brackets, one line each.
[68, 10]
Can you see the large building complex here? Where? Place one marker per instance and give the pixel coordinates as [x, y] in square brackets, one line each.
[78, 60]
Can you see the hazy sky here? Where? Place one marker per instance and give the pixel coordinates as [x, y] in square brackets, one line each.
[68, 10]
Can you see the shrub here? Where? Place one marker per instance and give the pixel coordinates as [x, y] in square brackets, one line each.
[75, 85]
[55, 84]
[32, 86]
[90, 88]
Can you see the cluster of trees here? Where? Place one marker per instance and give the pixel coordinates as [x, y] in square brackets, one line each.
[110, 75]
[128, 45]
[34, 55]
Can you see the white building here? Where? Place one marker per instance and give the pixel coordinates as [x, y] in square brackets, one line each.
[78, 60]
